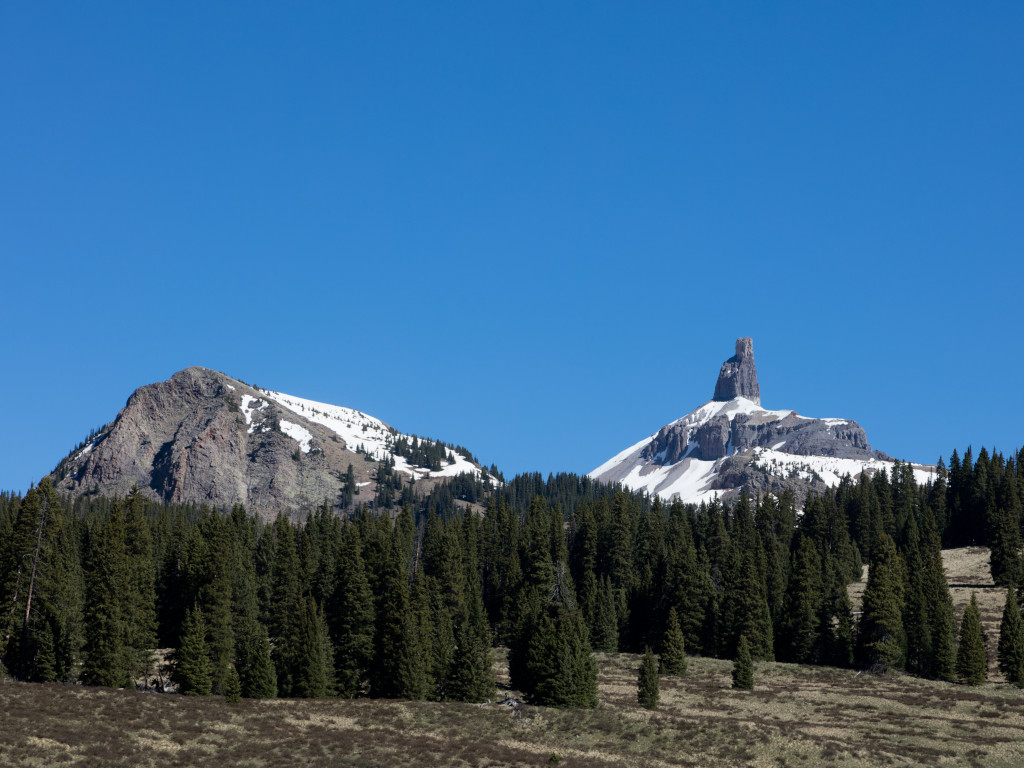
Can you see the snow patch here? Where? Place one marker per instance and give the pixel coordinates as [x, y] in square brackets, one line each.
[250, 406]
[375, 438]
[297, 432]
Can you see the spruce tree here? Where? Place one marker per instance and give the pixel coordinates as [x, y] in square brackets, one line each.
[802, 604]
[313, 676]
[352, 617]
[559, 667]
[647, 684]
[472, 678]
[140, 587]
[233, 687]
[399, 666]
[106, 652]
[673, 647]
[743, 667]
[881, 639]
[192, 668]
[972, 658]
[1011, 642]
[605, 628]
[253, 663]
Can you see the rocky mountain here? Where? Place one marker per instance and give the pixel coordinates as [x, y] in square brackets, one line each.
[205, 437]
[732, 442]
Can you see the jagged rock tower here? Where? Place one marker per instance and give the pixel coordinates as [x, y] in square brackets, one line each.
[738, 377]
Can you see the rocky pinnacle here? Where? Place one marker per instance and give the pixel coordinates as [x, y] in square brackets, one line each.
[738, 377]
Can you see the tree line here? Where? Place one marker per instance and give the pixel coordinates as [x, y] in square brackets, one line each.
[410, 602]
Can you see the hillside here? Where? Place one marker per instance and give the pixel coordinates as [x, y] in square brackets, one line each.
[205, 437]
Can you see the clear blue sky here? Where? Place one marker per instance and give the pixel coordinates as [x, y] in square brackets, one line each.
[535, 229]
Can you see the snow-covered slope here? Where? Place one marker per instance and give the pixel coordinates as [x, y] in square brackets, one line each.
[693, 480]
[727, 444]
[362, 432]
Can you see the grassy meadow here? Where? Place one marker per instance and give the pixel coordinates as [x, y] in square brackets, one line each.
[796, 716]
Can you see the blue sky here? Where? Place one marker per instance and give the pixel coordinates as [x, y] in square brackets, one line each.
[534, 229]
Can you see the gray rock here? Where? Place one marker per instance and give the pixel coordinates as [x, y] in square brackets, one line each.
[738, 377]
[186, 440]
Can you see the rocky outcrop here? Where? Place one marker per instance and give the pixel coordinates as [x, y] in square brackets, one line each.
[731, 443]
[738, 377]
[188, 439]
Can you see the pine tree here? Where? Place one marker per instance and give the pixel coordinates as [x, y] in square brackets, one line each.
[313, 675]
[881, 639]
[233, 688]
[473, 675]
[971, 658]
[352, 617]
[743, 667]
[106, 653]
[673, 647]
[140, 587]
[802, 605]
[605, 631]
[398, 669]
[253, 662]
[647, 684]
[192, 668]
[1011, 642]
[559, 667]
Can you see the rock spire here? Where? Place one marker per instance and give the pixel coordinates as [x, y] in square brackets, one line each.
[738, 377]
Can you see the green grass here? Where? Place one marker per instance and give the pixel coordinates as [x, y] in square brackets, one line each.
[796, 716]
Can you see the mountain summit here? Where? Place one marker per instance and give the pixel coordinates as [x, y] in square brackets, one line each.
[738, 377]
[731, 442]
[204, 437]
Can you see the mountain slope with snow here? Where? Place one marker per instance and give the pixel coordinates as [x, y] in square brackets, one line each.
[205, 437]
[732, 442]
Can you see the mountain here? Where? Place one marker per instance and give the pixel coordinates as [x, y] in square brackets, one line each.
[731, 442]
[205, 437]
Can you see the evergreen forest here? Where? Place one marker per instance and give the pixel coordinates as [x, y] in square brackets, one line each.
[409, 601]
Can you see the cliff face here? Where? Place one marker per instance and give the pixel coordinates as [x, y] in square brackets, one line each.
[738, 377]
[204, 437]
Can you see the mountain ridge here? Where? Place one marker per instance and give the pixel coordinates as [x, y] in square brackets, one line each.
[732, 442]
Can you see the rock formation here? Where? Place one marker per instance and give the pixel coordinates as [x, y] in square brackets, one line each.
[738, 377]
[731, 442]
[204, 437]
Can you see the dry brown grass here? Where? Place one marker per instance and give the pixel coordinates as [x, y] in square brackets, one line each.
[795, 716]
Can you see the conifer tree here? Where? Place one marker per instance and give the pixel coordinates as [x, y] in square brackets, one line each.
[233, 688]
[106, 654]
[559, 667]
[253, 663]
[192, 668]
[881, 639]
[940, 605]
[802, 605]
[673, 647]
[835, 625]
[972, 658]
[313, 661]
[743, 667]
[140, 587]
[352, 617]
[472, 678]
[605, 632]
[398, 669]
[647, 684]
[1011, 642]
